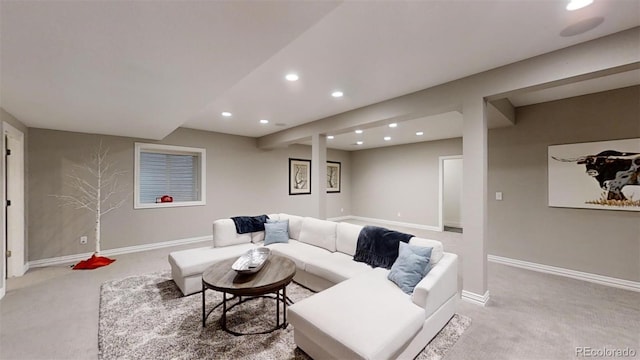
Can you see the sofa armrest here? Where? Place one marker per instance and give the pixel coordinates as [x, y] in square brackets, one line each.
[438, 286]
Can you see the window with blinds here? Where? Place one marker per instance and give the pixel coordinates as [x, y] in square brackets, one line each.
[169, 176]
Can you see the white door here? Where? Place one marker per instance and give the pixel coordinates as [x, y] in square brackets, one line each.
[452, 192]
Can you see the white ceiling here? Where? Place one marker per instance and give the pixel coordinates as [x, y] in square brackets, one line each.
[142, 69]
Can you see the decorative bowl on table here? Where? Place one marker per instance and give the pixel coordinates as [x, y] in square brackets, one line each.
[251, 261]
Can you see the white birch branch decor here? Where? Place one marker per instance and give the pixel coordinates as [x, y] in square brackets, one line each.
[98, 191]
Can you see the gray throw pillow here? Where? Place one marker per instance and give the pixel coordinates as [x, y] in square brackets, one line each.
[276, 232]
[411, 266]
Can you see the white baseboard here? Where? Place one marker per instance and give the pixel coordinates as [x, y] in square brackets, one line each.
[579, 275]
[395, 223]
[340, 218]
[474, 298]
[2, 289]
[118, 251]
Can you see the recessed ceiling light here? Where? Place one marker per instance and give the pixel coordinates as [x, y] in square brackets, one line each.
[264, 121]
[337, 94]
[392, 125]
[387, 138]
[359, 142]
[578, 4]
[358, 131]
[225, 113]
[419, 133]
[330, 137]
[292, 77]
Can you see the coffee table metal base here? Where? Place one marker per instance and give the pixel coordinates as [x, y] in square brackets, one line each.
[279, 296]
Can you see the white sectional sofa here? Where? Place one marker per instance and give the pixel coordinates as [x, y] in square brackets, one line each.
[357, 313]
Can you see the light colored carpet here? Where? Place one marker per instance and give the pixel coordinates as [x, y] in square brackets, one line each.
[146, 317]
[51, 313]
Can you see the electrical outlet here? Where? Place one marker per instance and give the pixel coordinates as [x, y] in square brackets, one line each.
[399, 214]
[341, 210]
[83, 240]
[499, 195]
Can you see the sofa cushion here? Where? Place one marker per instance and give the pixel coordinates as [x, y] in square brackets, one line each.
[276, 232]
[347, 237]
[299, 252]
[410, 267]
[257, 237]
[437, 250]
[335, 267]
[295, 225]
[321, 233]
[195, 261]
[224, 234]
[386, 317]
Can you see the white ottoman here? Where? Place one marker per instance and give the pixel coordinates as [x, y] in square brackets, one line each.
[366, 317]
[187, 266]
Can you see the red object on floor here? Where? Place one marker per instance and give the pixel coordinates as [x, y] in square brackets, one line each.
[93, 262]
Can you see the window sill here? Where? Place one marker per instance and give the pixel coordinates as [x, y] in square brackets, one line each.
[169, 204]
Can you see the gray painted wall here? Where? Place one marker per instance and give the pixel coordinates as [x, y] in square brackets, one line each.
[522, 226]
[10, 119]
[241, 180]
[452, 192]
[400, 179]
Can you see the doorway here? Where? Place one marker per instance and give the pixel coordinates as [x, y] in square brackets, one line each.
[451, 193]
[13, 208]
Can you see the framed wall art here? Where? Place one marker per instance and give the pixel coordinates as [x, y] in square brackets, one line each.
[334, 176]
[299, 176]
[596, 175]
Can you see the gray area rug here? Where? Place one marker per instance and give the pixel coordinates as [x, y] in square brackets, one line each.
[146, 317]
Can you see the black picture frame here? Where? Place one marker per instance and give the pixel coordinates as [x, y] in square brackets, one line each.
[299, 176]
[334, 176]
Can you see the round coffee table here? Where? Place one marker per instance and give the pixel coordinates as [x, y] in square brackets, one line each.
[273, 278]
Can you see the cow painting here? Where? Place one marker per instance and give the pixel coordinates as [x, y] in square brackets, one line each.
[601, 175]
[612, 169]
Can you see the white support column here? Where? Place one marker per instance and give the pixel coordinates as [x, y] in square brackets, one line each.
[319, 175]
[474, 201]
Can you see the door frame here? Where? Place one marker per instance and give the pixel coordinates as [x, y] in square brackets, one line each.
[15, 265]
[441, 188]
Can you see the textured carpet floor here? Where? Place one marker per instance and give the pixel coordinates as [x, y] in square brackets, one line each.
[146, 317]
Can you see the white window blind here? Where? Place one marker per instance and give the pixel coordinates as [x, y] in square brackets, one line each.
[169, 170]
[168, 174]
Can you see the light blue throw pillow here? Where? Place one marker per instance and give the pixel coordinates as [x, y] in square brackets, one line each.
[411, 266]
[276, 232]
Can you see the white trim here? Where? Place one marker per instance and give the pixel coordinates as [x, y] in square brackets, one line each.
[15, 264]
[118, 251]
[169, 205]
[474, 298]
[579, 275]
[395, 223]
[169, 149]
[441, 160]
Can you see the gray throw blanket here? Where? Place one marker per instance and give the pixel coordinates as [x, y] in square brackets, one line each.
[378, 246]
[248, 224]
